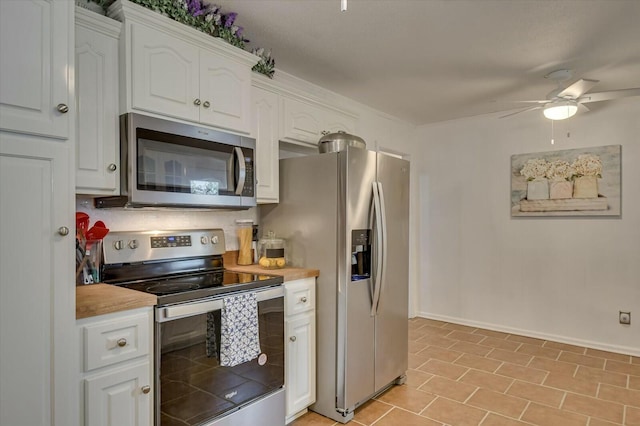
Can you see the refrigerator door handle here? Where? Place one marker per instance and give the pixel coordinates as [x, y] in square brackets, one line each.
[379, 248]
[383, 225]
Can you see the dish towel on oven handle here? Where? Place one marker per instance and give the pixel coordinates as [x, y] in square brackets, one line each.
[239, 334]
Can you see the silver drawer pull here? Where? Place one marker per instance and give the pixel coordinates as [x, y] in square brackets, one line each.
[62, 108]
[303, 299]
[122, 342]
[112, 167]
[292, 338]
[146, 389]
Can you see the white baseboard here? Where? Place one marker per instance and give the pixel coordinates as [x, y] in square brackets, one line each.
[627, 350]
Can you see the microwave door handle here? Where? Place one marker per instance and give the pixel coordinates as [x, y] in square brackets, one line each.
[242, 169]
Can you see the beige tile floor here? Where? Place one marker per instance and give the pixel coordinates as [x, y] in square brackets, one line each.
[465, 376]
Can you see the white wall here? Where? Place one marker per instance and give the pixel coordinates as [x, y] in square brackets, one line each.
[557, 278]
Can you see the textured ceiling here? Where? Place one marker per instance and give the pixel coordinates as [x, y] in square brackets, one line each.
[432, 60]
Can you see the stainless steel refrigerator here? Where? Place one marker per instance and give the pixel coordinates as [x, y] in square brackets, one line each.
[347, 214]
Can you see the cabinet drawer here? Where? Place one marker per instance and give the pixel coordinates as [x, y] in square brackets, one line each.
[109, 342]
[300, 296]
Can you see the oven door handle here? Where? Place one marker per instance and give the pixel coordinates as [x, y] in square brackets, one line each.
[168, 313]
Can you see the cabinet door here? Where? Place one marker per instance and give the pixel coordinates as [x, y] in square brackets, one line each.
[35, 76]
[117, 397]
[265, 130]
[300, 368]
[340, 122]
[37, 305]
[225, 91]
[164, 73]
[97, 147]
[301, 121]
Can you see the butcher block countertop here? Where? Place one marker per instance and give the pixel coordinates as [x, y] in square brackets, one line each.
[99, 299]
[289, 274]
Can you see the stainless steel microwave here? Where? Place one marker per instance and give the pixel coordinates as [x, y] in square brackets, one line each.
[169, 164]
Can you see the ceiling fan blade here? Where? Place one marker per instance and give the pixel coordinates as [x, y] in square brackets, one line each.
[606, 96]
[522, 110]
[531, 102]
[583, 108]
[578, 88]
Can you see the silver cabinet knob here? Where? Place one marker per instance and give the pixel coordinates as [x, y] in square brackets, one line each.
[118, 245]
[133, 244]
[122, 342]
[303, 299]
[214, 239]
[146, 389]
[206, 104]
[62, 108]
[112, 167]
[204, 239]
[196, 102]
[292, 338]
[63, 230]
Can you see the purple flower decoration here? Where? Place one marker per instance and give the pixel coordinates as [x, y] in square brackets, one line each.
[239, 32]
[195, 7]
[229, 18]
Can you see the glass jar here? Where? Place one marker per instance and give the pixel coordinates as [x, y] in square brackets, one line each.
[272, 251]
[245, 235]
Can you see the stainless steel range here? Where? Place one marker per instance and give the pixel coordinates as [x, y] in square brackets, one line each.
[219, 335]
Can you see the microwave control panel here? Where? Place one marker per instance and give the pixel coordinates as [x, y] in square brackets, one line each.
[249, 183]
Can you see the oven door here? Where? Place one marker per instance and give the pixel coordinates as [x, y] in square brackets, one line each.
[191, 386]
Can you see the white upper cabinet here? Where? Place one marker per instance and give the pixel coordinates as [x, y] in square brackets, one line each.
[173, 70]
[34, 92]
[97, 134]
[306, 122]
[264, 116]
[225, 92]
[165, 74]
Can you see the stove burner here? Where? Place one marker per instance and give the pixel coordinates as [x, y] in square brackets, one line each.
[170, 287]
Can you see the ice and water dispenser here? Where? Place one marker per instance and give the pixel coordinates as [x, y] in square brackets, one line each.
[360, 254]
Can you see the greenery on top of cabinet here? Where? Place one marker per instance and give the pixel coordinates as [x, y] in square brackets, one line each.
[209, 19]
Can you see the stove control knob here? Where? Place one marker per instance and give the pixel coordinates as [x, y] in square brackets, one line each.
[214, 239]
[133, 244]
[118, 245]
[204, 240]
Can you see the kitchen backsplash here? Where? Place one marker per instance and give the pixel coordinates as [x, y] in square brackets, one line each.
[166, 219]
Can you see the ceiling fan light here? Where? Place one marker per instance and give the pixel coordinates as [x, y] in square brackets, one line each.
[560, 110]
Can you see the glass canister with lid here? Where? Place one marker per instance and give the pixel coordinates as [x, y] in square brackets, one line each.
[245, 234]
[272, 251]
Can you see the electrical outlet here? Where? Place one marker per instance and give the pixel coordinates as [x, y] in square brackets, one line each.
[625, 317]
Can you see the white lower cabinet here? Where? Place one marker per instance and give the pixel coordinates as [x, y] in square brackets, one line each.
[117, 397]
[117, 368]
[300, 346]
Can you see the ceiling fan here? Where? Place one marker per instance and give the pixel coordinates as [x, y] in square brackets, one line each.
[562, 103]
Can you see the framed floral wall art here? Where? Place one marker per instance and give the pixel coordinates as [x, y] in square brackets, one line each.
[572, 182]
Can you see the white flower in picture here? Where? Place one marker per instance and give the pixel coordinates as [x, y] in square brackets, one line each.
[587, 165]
[559, 170]
[535, 168]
